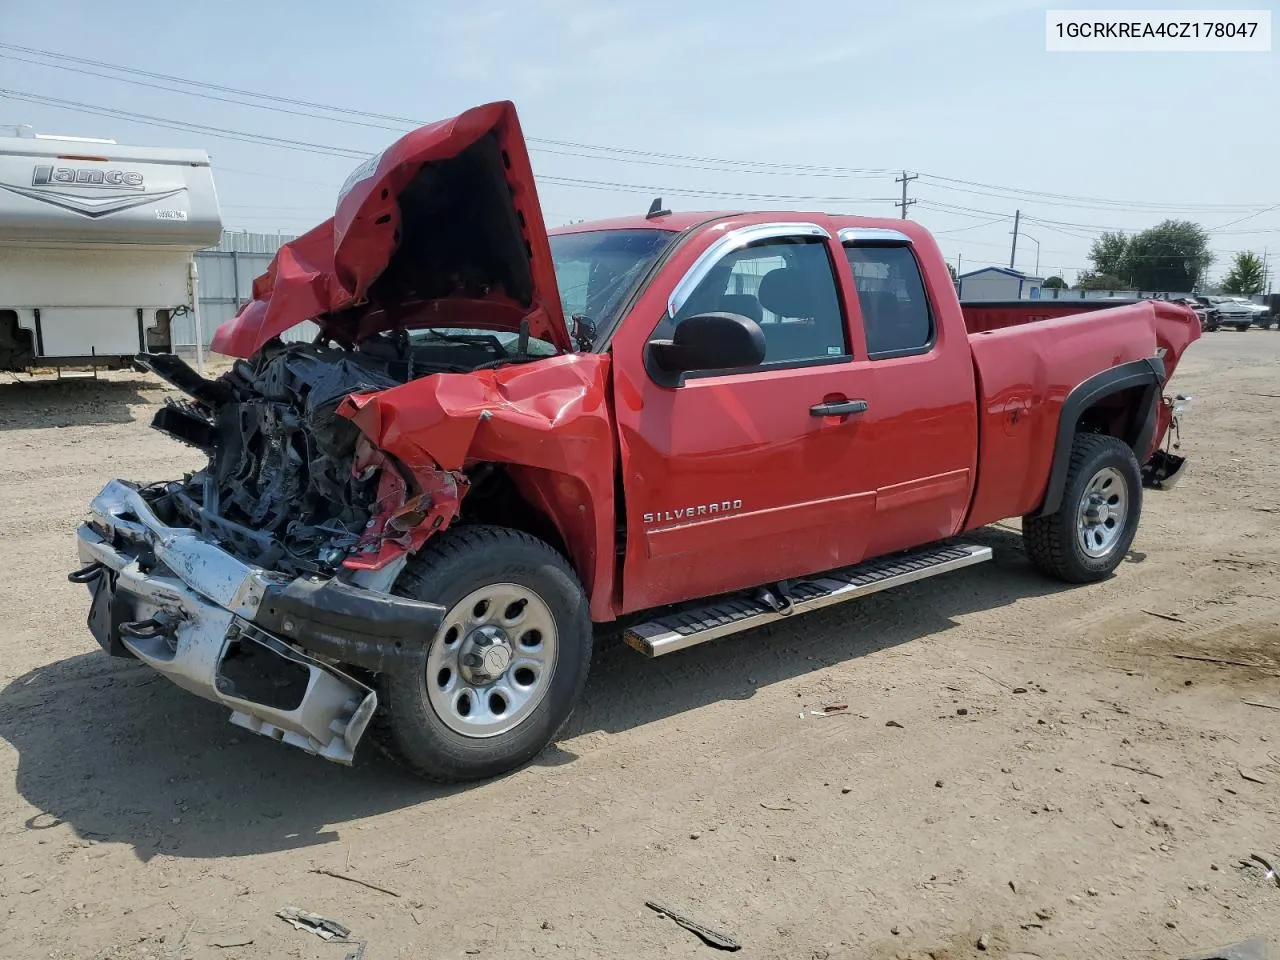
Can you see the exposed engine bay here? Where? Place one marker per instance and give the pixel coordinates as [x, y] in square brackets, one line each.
[291, 485]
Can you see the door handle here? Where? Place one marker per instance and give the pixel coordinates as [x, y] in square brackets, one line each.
[841, 409]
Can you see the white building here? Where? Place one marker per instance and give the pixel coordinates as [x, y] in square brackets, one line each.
[998, 283]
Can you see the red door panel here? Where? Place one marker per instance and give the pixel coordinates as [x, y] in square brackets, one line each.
[731, 482]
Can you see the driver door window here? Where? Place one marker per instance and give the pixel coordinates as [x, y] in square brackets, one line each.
[787, 286]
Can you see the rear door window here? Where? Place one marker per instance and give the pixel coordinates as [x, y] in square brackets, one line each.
[896, 314]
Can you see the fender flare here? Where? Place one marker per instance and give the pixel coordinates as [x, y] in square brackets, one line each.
[1148, 372]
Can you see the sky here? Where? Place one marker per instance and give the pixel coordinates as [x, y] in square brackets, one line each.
[815, 105]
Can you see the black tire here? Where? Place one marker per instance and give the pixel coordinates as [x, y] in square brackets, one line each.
[455, 564]
[1053, 543]
[1243, 327]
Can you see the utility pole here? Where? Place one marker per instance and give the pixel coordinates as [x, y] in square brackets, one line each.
[1013, 252]
[904, 180]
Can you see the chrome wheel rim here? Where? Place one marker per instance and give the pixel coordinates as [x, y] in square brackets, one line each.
[492, 660]
[1104, 507]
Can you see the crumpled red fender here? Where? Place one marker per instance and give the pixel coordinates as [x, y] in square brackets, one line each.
[399, 523]
[548, 419]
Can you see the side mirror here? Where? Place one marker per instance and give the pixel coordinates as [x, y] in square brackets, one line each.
[709, 341]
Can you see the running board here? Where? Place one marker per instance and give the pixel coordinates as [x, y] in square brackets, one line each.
[736, 612]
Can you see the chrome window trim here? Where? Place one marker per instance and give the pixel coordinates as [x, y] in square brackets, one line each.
[735, 240]
[855, 234]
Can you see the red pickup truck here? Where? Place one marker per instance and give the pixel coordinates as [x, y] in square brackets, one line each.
[694, 423]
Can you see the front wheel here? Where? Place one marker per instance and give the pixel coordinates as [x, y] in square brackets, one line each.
[505, 668]
[1085, 539]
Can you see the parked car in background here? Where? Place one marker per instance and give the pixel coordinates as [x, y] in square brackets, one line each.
[1211, 319]
[1262, 314]
[1233, 312]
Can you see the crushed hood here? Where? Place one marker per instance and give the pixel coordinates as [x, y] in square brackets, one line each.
[441, 229]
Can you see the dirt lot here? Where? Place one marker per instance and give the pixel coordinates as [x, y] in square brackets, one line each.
[1004, 800]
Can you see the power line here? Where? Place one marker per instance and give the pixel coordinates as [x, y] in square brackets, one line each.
[332, 150]
[612, 153]
[598, 151]
[694, 191]
[399, 128]
[1096, 200]
[972, 226]
[337, 151]
[403, 124]
[408, 125]
[183, 125]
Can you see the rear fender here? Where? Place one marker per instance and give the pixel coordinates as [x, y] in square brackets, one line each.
[1146, 378]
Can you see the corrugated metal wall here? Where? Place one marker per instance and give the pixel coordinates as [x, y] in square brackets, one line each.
[226, 273]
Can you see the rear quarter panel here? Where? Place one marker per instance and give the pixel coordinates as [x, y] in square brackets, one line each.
[1025, 374]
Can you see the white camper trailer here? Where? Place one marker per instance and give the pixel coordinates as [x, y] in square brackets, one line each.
[96, 248]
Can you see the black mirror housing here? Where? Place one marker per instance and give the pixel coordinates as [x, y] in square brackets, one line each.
[709, 341]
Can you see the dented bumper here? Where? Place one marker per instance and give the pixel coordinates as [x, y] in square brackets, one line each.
[263, 645]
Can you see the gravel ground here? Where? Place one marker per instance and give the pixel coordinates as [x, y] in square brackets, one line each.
[1035, 766]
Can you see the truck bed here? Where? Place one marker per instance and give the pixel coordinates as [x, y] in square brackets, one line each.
[1027, 358]
[983, 316]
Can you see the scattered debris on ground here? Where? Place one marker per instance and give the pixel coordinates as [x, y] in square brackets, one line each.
[353, 879]
[708, 935]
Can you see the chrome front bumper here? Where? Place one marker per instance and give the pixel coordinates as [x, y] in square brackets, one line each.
[186, 607]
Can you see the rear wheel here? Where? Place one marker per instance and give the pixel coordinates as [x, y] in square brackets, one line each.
[1093, 528]
[506, 667]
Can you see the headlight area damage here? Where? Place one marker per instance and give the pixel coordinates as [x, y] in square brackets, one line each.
[292, 484]
[263, 582]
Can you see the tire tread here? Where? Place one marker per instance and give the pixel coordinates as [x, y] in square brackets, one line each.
[415, 581]
[1049, 540]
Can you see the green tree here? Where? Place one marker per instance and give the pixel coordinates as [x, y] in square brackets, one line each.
[1246, 276]
[1171, 256]
[952, 270]
[1110, 255]
[1093, 280]
[1055, 283]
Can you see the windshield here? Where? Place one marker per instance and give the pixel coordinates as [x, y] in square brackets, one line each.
[504, 343]
[596, 270]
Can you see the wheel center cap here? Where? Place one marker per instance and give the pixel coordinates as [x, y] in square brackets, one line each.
[1097, 511]
[496, 659]
[486, 654]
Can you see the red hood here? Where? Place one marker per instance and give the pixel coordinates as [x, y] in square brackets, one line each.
[443, 228]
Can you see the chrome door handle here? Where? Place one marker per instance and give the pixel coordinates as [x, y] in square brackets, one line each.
[841, 409]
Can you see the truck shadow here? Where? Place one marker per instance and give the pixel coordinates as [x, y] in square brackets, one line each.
[626, 690]
[43, 403]
[120, 755]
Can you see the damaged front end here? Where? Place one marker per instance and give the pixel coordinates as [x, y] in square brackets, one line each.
[262, 582]
[292, 485]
